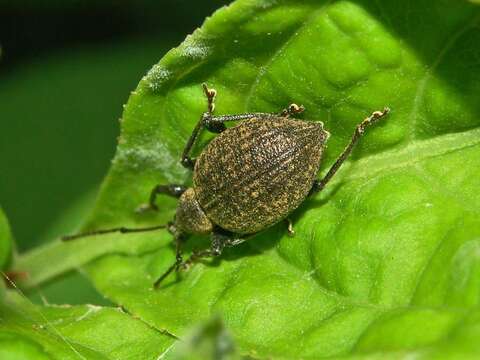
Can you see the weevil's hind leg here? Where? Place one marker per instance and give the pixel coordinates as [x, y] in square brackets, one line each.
[318, 185]
[219, 242]
[173, 190]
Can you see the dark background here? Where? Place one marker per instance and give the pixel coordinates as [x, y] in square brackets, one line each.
[66, 68]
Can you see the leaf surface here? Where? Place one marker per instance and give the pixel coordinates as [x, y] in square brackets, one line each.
[66, 332]
[6, 241]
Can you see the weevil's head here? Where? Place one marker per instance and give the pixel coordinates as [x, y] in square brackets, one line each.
[190, 217]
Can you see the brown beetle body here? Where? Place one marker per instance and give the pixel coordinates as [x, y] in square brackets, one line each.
[253, 175]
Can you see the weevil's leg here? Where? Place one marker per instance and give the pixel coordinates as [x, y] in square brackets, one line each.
[290, 230]
[214, 123]
[219, 242]
[187, 161]
[359, 131]
[173, 190]
[121, 230]
[292, 109]
[234, 242]
[210, 94]
[180, 264]
[210, 122]
[178, 238]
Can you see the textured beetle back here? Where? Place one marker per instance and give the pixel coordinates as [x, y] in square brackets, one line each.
[252, 175]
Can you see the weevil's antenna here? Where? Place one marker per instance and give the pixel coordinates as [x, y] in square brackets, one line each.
[121, 230]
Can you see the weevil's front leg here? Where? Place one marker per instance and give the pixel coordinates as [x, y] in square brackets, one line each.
[359, 131]
[232, 241]
[173, 190]
[219, 242]
[178, 238]
[180, 264]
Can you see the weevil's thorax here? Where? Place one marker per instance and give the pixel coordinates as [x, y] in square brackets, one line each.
[252, 175]
[190, 217]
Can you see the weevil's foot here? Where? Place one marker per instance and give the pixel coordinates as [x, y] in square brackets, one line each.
[296, 109]
[184, 266]
[210, 94]
[290, 230]
[372, 119]
[291, 233]
[293, 109]
[143, 208]
[379, 114]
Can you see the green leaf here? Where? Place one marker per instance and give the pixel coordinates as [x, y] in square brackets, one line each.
[74, 332]
[385, 260]
[71, 116]
[58, 257]
[72, 287]
[6, 241]
[207, 341]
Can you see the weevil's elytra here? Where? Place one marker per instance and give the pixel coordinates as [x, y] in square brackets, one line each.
[248, 178]
[254, 174]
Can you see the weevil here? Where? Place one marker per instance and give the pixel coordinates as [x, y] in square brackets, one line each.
[248, 178]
